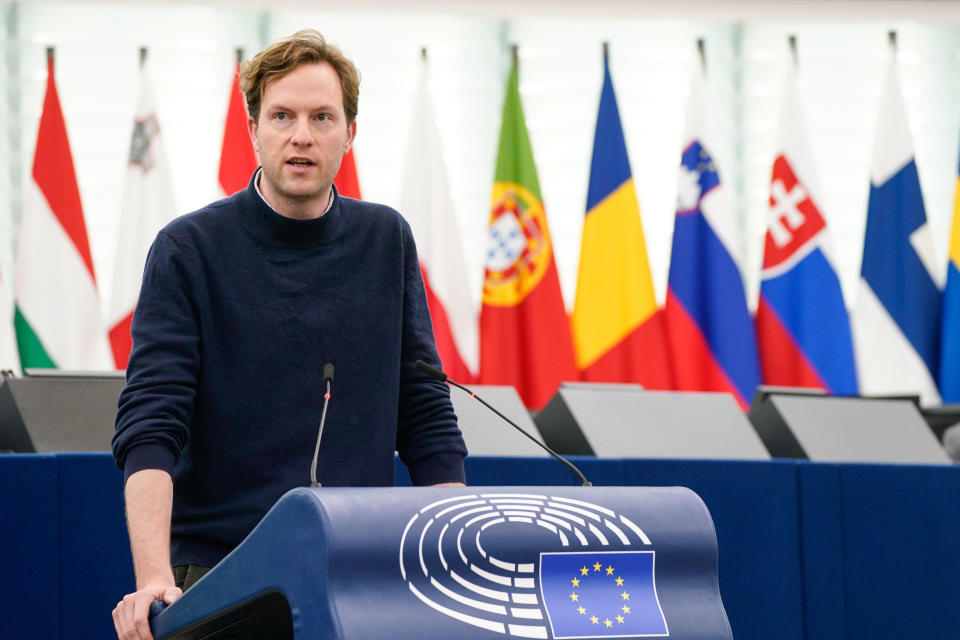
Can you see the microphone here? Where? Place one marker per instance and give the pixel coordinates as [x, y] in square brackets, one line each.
[437, 374]
[328, 380]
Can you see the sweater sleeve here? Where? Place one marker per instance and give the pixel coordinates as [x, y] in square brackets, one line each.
[428, 439]
[155, 407]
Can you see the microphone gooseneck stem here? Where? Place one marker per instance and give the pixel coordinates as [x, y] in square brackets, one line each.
[583, 480]
[316, 451]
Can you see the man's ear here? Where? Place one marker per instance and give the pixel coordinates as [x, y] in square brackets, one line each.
[351, 134]
[252, 130]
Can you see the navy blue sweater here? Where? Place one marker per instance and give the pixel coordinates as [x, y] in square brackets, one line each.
[239, 310]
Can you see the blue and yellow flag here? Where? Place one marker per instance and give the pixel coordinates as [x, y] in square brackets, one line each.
[950, 340]
[601, 594]
[618, 332]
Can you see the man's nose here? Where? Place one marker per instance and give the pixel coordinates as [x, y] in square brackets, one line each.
[301, 132]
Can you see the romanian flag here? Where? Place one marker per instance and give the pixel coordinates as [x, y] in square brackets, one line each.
[896, 323]
[57, 312]
[524, 330]
[618, 333]
[950, 344]
[237, 158]
[711, 334]
[803, 329]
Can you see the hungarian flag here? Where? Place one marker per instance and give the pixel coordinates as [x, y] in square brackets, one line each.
[803, 329]
[346, 180]
[618, 333]
[57, 313]
[711, 334]
[950, 343]
[524, 330]
[428, 208]
[237, 157]
[896, 321]
[147, 206]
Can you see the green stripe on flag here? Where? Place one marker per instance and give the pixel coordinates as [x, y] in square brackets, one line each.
[515, 156]
[32, 353]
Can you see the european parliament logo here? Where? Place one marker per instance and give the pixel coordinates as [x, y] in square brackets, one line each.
[601, 594]
[529, 565]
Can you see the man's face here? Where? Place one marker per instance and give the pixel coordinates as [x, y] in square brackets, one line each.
[301, 136]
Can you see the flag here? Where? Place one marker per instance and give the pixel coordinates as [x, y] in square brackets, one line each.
[428, 208]
[618, 333]
[346, 180]
[147, 206]
[601, 594]
[237, 158]
[803, 330]
[896, 321]
[711, 335]
[524, 330]
[57, 313]
[950, 343]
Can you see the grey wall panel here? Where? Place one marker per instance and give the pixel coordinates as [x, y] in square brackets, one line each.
[485, 433]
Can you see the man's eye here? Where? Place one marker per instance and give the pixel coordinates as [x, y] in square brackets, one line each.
[322, 116]
[280, 116]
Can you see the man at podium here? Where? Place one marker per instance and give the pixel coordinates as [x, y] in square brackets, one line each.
[242, 305]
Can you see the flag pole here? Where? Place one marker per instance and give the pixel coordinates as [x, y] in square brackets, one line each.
[143, 56]
[515, 57]
[701, 51]
[792, 40]
[239, 54]
[606, 51]
[892, 39]
[50, 54]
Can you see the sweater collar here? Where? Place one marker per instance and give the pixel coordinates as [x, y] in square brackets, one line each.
[271, 227]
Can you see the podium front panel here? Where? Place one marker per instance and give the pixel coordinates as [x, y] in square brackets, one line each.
[481, 563]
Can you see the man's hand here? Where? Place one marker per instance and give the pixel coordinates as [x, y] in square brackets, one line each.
[449, 484]
[131, 615]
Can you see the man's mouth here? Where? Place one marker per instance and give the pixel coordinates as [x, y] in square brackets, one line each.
[300, 162]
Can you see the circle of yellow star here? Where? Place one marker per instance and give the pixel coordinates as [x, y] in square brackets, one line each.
[625, 595]
[597, 566]
[620, 619]
[584, 571]
[608, 622]
[576, 582]
[594, 619]
[609, 570]
[581, 610]
[619, 582]
[625, 609]
[574, 597]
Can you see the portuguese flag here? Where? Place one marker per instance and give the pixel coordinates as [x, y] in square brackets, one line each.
[57, 313]
[524, 330]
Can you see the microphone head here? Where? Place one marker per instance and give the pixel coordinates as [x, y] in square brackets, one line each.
[431, 371]
[328, 372]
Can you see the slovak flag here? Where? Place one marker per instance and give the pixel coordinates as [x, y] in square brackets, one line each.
[803, 329]
[709, 328]
[896, 322]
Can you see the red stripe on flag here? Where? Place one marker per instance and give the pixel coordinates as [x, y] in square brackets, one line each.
[694, 367]
[346, 180]
[53, 172]
[528, 345]
[643, 357]
[782, 361]
[120, 341]
[237, 157]
[453, 363]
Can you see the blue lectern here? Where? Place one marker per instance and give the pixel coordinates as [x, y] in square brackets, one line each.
[476, 563]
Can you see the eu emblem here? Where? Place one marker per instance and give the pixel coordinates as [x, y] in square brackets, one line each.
[601, 594]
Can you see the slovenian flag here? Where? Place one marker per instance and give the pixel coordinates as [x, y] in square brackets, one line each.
[237, 157]
[524, 330]
[950, 344]
[896, 322]
[57, 311]
[710, 331]
[428, 207]
[803, 329]
[147, 206]
[618, 332]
